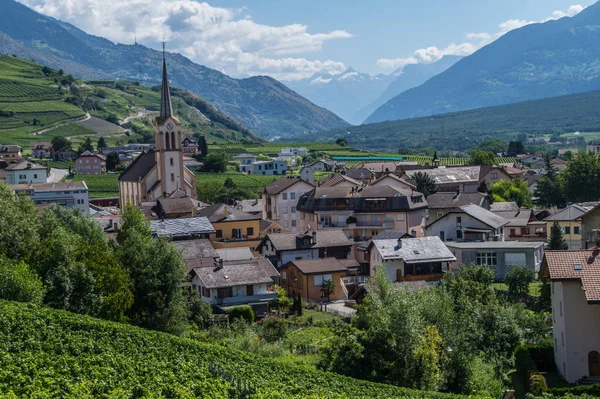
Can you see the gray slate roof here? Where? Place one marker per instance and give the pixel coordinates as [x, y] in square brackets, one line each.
[504, 206]
[235, 253]
[517, 218]
[182, 227]
[450, 200]
[10, 148]
[325, 239]
[251, 206]
[572, 212]
[463, 174]
[359, 173]
[25, 165]
[216, 213]
[232, 274]
[384, 235]
[195, 249]
[415, 250]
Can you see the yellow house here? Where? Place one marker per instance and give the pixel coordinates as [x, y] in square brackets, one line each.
[233, 228]
[570, 222]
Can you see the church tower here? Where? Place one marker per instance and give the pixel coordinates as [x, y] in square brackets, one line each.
[167, 139]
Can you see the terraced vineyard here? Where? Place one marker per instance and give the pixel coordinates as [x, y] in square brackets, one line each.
[272, 149]
[254, 183]
[101, 186]
[50, 353]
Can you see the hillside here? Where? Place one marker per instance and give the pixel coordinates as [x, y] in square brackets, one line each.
[38, 103]
[536, 61]
[463, 130]
[261, 103]
[50, 353]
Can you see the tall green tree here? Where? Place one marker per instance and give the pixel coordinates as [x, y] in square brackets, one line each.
[557, 240]
[582, 178]
[202, 146]
[514, 190]
[214, 163]
[425, 184]
[60, 142]
[550, 187]
[515, 147]
[101, 143]
[19, 283]
[482, 158]
[19, 225]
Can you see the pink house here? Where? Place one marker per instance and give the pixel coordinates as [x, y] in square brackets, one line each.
[90, 163]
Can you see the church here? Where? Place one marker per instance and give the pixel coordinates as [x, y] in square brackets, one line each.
[159, 174]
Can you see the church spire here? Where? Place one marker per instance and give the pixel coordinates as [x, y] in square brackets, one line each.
[166, 108]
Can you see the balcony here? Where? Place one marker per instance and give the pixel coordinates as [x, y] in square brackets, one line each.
[244, 299]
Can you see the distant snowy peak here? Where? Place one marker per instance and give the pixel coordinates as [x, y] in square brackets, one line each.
[319, 80]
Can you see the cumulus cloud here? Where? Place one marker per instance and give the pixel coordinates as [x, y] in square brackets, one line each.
[221, 38]
[473, 43]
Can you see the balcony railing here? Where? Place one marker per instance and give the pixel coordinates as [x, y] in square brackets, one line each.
[355, 280]
[245, 299]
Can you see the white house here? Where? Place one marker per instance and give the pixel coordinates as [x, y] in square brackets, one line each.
[66, 194]
[26, 172]
[246, 161]
[280, 199]
[468, 223]
[575, 279]
[269, 168]
[410, 259]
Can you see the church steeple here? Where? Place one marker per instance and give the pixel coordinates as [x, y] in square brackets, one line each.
[166, 108]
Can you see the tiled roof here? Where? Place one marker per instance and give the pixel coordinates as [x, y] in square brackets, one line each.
[572, 212]
[479, 213]
[350, 263]
[319, 266]
[282, 184]
[415, 250]
[325, 239]
[182, 227]
[379, 167]
[576, 265]
[236, 274]
[10, 148]
[139, 168]
[395, 177]
[179, 205]
[25, 165]
[217, 213]
[464, 174]
[451, 200]
[92, 154]
[336, 178]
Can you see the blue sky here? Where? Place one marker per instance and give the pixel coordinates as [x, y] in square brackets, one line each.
[293, 39]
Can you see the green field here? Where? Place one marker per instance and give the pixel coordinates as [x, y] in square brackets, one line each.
[101, 186]
[50, 353]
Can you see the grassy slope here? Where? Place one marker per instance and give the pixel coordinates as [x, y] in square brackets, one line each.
[50, 353]
[27, 91]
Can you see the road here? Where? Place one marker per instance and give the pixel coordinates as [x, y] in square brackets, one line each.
[56, 175]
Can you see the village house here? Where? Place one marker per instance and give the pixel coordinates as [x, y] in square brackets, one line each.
[284, 247]
[10, 151]
[90, 163]
[246, 161]
[522, 222]
[468, 223]
[500, 256]
[307, 277]
[233, 228]
[160, 173]
[590, 228]
[189, 146]
[397, 183]
[269, 227]
[364, 248]
[569, 219]
[182, 228]
[410, 259]
[441, 203]
[363, 213]
[491, 175]
[41, 149]
[64, 154]
[338, 180]
[235, 283]
[65, 194]
[269, 168]
[280, 200]
[575, 279]
[324, 165]
[380, 168]
[25, 172]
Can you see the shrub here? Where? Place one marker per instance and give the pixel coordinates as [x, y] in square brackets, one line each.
[592, 390]
[244, 312]
[543, 355]
[273, 329]
[19, 283]
[537, 384]
[524, 363]
[518, 280]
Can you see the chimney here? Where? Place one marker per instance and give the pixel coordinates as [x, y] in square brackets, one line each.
[399, 243]
[219, 265]
[226, 211]
[314, 235]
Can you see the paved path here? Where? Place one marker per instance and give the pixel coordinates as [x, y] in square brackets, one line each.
[56, 175]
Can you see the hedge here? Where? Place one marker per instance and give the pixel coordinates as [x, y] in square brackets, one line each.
[244, 312]
[592, 390]
[524, 364]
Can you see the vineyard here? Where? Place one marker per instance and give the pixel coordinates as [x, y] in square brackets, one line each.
[101, 186]
[51, 353]
[253, 183]
[271, 149]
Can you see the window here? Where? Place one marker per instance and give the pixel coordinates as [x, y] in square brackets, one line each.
[576, 230]
[285, 210]
[458, 221]
[293, 209]
[171, 159]
[292, 195]
[560, 308]
[285, 223]
[494, 175]
[562, 338]
[320, 279]
[567, 229]
[283, 275]
[293, 223]
[486, 258]
[35, 175]
[219, 233]
[172, 176]
[236, 234]
[443, 235]
[459, 234]
[284, 196]
[250, 231]
[400, 217]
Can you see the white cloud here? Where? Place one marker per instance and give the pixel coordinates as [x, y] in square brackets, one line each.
[474, 42]
[221, 38]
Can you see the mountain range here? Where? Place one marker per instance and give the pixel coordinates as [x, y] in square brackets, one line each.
[540, 60]
[261, 103]
[355, 95]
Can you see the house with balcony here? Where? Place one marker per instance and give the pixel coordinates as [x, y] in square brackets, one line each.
[280, 201]
[90, 163]
[282, 248]
[570, 220]
[269, 168]
[363, 212]
[41, 149]
[410, 259]
[307, 277]
[246, 161]
[575, 290]
[233, 227]
[441, 203]
[65, 194]
[25, 172]
[235, 283]
[590, 228]
[500, 256]
[11, 151]
[468, 223]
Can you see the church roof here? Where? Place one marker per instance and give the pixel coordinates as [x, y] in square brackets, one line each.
[166, 107]
[139, 168]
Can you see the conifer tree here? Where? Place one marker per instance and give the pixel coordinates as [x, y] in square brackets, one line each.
[557, 240]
